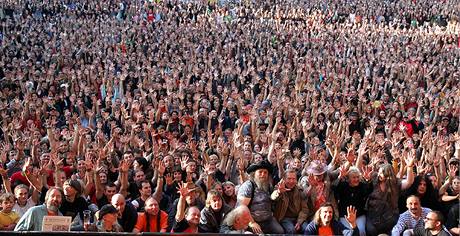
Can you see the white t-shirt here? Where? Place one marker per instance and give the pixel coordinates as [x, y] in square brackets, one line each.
[21, 210]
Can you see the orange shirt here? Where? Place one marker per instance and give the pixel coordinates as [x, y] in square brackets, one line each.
[325, 231]
[141, 224]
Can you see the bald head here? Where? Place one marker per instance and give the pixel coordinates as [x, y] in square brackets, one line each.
[119, 202]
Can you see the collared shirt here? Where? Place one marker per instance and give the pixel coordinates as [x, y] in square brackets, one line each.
[33, 218]
[407, 221]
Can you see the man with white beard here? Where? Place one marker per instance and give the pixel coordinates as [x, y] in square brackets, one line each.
[255, 194]
[33, 218]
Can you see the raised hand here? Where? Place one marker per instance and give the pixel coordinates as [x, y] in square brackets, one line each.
[169, 179]
[282, 186]
[183, 190]
[161, 168]
[367, 172]
[351, 216]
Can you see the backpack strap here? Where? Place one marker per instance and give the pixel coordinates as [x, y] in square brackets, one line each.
[253, 189]
[158, 221]
[147, 219]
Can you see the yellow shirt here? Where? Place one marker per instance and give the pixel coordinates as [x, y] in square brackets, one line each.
[8, 218]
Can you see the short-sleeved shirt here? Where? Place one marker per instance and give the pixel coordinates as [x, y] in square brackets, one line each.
[8, 218]
[261, 204]
[141, 223]
[420, 231]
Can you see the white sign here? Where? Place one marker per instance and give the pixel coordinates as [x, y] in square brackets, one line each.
[56, 223]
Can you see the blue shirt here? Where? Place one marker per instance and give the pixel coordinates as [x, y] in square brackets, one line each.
[33, 218]
[406, 221]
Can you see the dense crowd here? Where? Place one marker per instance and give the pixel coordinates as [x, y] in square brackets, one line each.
[299, 117]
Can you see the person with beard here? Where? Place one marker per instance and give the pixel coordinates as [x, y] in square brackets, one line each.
[153, 219]
[255, 194]
[412, 218]
[33, 218]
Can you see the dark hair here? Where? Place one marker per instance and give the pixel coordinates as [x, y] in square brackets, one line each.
[429, 198]
[143, 163]
[439, 217]
[110, 185]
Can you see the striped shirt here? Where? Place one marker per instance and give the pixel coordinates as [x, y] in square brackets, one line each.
[407, 221]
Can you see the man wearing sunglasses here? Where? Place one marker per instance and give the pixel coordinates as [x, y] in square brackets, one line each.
[433, 225]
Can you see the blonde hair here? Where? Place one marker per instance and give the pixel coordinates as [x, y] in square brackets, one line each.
[317, 217]
[6, 196]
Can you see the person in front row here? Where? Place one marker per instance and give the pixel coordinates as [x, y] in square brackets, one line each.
[433, 226]
[236, 221]
[32, 220]
[153, 219]
[324, 224]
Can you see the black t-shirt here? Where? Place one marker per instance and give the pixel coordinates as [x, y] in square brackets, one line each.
[73, 208]
[129, 218]
[69, 208]
[179, 227]
[424, 232]
[102, 201]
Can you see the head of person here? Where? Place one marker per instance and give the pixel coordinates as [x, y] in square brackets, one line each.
[192, 215]
[53, 199]
[192, 196]
[214, 200]
[110, 189]
[119, 202]
[290, 178]
[218, 187]
[413, 205]
[456, 184]
[151, 206]
[386, 173]
[353, 176]
[145, 189]
[434, 220]
[228, 189]
[260, 174]
[238, 218]
[7, 202]
[324, 214]
[21, 193]
[72, 188]
[103, 177]
[318, 170]
[139, 176]
[422, 186]
[107, 214]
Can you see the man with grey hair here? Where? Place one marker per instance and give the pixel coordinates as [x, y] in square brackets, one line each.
[33, 218]
[236, 221]
[255, 194]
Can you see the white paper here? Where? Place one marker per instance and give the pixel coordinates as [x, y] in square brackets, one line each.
[56, 223]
